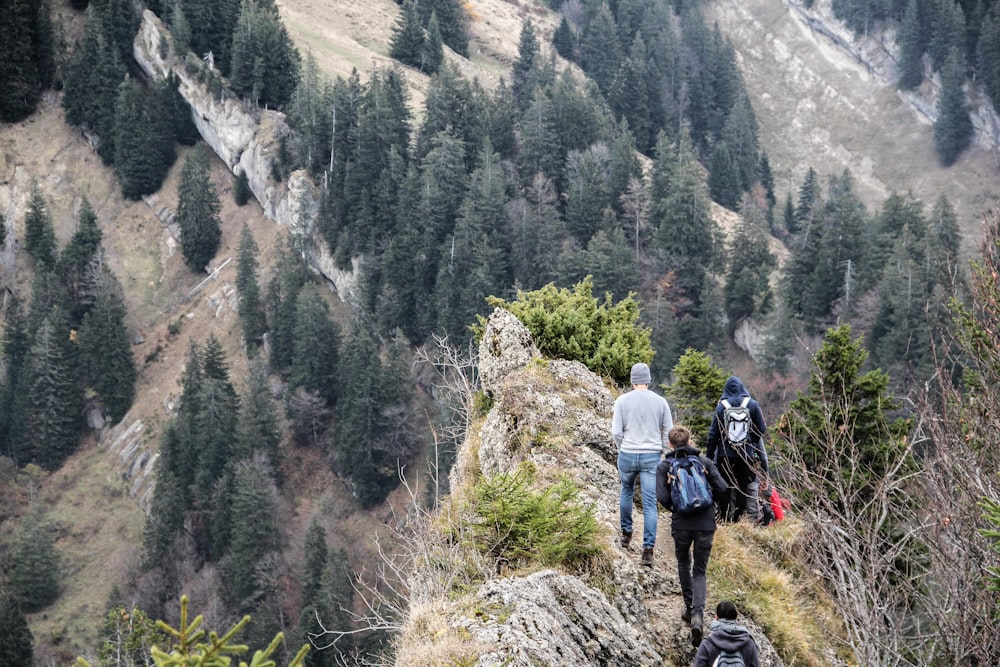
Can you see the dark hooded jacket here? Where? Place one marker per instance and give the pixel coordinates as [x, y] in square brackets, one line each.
[727, 635]
[717, 446]
[704, 520]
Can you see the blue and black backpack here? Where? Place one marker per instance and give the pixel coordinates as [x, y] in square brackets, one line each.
[690, 492]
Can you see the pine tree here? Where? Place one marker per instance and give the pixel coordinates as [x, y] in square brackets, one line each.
[433, 52]
[107, 358]
[265, 63]
[911, 49]
[453, 20]
[587, 195]
[407, 40]
[282, 295]
[27, 57]
[522, 81]
[214, 425]
[15, 635]
[988, 55]
[254, 534]
[539, 150]
[600, 50]
[315, 558]
[251, 305]
[138, 164]
[258, 429]
[953, 128]
[564, 40]
[537, 233]
[14, 348]
[315, 343]
[747, 292]
[39, 235]
[76, 259]
[53, 398]
[33, 565]
[198, 211]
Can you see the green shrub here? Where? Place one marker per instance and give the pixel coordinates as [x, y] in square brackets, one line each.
[521, 525]
[571, 324]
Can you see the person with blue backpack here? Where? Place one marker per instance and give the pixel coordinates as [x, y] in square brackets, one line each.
[736, 444]
[688, 485]
[729, 644]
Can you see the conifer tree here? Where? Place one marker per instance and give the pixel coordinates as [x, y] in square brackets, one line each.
[600, 49]
[988, 55]
[522, 83]
[15, 635]
[453, 21]
[747, 291]
[809, 199]
[251, 305]
[265, 63]
[953, 128]
[766, 177]
[254, 534]
[53, 397]
[139, 163]
[92, 78]
[76, 258]
[564, 40]
[282, 294]
[433, 51]
[587, 193]
[27, 57]
[39, 235]
[214, 427]
[258, 429]
[537, 233]
[539, 150]
[107, 359]
[198, 211]
[14, 351]
[33, 565]
[407, 40]
[315, 343]
[911, 49]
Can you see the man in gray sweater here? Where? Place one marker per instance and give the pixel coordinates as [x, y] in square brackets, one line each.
[640, 426]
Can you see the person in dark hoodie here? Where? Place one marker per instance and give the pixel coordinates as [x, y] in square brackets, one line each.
[741, 462]
[729, 637]
[692, 533]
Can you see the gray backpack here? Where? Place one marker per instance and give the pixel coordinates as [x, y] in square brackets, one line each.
[729, 659]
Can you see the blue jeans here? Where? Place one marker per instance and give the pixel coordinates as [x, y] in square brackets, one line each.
[642, 466]
[692, 573]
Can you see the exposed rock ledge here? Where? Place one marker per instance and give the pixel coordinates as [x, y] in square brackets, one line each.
[556, 415]
[244, 138]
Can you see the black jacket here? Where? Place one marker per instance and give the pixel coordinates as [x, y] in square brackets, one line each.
[717, 446]
[705, 520]
[727, 636]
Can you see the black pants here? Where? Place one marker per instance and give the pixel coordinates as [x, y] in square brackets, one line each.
[691, 570]
[742, 489]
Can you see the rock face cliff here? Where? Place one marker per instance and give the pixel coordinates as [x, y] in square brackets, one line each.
[555, 415]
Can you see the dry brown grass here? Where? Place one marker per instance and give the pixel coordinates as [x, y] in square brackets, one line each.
[757, 569]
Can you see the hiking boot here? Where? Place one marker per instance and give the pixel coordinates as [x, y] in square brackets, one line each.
[626, 538]
[686, 615]
[696, 625]
[647, 556]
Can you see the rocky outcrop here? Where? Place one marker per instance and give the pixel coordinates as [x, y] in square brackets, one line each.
[876, 51]
[556, 415]
[245, 138]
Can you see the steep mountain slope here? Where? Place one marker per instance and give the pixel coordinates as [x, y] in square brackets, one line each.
[826, 100]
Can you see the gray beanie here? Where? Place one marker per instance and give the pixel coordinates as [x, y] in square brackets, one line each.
[640, 374]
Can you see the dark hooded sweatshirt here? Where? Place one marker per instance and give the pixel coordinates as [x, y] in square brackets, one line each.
[717, 446]
[727, 636]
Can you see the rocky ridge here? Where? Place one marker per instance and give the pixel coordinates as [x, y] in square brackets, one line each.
[555, 415]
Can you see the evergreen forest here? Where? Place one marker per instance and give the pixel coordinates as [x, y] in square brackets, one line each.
[601, 165]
